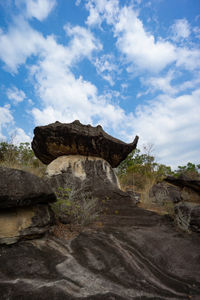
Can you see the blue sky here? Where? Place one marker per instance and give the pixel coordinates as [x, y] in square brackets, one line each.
[131, 66]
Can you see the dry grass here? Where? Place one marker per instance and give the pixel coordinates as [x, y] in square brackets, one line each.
[142, 185]
[38, 171]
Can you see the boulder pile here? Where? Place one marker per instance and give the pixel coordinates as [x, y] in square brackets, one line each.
[24, 209]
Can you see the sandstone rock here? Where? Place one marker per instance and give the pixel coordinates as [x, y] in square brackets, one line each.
[187, 216]
[87, 177]
[19, 188]
[28, 222]
[83, 175]
[59, 139]
[162, 192]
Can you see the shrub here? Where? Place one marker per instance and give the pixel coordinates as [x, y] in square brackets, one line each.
[70, 209]
[20, 157]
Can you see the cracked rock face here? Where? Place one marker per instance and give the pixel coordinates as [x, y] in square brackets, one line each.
[59, 139]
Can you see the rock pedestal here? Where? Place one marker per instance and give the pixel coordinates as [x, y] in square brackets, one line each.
[24, 209]
[86, 176]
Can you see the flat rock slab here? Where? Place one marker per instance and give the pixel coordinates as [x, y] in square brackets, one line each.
[135, 254]
[19, 188]
[57, 139]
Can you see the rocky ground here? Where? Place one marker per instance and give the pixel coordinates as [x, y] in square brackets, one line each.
[131, 254]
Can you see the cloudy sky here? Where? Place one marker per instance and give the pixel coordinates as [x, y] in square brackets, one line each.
[131, 66]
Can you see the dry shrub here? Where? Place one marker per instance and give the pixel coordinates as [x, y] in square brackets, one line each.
[82, 210]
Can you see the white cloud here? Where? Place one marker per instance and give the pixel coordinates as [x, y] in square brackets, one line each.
[100, 10]
[63, 96]
[139, 46]
[166, 85]
[20, 42]
[38, 9]
[172, 124]
[161, 83]
[180, 30]
[6, 119]
[141, 50]
[188, 59]
[196, 31]
[106, 67]
[19, 136]
[83, 42]
[15, 95]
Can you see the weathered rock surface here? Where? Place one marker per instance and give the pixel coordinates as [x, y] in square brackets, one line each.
[27, 222]
[187, 216]
[163, 192]
[59, 139]
[19, 188]
[136, 254]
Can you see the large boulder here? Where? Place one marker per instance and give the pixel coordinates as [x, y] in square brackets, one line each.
[59, 139]
[24, 209]
[162, 193]
[19, 188]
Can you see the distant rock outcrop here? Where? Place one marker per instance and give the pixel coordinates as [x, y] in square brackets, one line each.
[184, 181]
[59, 139]
[187, 216]
[162, 192]
[24, 210]
[184, 193]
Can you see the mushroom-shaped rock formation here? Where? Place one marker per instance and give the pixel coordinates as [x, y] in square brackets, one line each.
[58, 139]
[24, 209]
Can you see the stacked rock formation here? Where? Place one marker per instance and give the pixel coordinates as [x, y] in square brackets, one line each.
[81, 157]
[24, 210]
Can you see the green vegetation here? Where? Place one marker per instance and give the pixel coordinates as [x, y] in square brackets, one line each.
[138, 169]
[139, 172]
[80, 211]
[20, 157]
